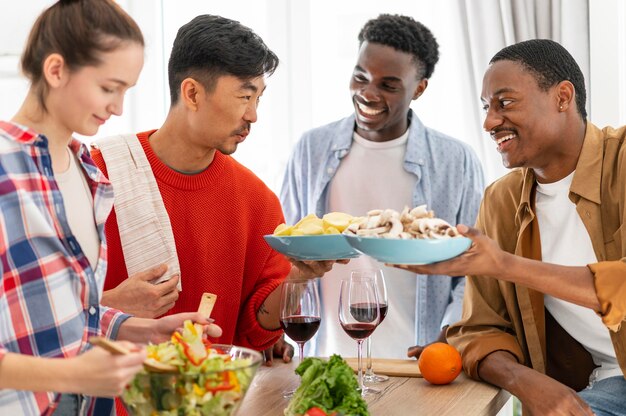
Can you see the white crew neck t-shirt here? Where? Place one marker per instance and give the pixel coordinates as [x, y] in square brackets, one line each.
[565, 241]
[78, 204]
[371, 176]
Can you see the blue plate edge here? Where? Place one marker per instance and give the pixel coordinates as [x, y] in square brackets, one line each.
[356, 253]
[350, 238]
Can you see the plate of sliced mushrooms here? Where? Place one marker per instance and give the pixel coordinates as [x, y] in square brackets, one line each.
[413, 236]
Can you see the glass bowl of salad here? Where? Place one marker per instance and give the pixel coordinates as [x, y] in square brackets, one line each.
[208, 380]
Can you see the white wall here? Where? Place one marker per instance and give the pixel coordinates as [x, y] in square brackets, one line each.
[13, 34]
[608, 62]
[317, 43]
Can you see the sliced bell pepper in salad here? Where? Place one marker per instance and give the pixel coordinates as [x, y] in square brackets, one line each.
[209, 380]
[194, 347]
[315, 411]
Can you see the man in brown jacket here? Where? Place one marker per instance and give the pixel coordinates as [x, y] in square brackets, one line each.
[546, 287]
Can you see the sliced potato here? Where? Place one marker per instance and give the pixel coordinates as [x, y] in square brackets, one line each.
[331, 223]
[312, 227]
[305, 219]
[338, 220]
[283, 229]
[331, 230]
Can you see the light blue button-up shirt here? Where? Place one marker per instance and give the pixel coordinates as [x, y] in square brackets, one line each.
[449, 181]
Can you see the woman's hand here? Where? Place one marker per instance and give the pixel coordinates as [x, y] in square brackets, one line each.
[159, 330]
[164, 327]
[99, 373]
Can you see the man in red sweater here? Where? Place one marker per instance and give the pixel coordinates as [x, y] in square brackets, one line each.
[218, 209]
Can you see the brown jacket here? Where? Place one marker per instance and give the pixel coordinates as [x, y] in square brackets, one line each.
[498, 315]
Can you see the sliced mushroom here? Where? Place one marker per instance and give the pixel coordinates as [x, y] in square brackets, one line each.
[420, 211]
[352, 228]
[372, 231]
[373, 222]
[416, 223]
[396, 228]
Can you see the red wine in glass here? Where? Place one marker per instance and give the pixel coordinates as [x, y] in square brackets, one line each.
[300, 328]
[359, 314]
[359, 331]
[299, 313]
[363, 312]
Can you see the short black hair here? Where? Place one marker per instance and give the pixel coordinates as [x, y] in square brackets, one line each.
[211, 46]
[404, 34]
[550, 63]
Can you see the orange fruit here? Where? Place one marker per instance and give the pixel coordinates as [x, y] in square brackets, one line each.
[440, 363]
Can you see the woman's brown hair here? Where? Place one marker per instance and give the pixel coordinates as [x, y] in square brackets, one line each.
[78, 30]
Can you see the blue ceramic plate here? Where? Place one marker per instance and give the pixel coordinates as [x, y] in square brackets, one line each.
[397, 251]
[313, 247]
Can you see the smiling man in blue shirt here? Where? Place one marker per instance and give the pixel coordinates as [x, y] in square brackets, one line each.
[382, 156]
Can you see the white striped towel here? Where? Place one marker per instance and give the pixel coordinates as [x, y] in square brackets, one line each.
[144, 225]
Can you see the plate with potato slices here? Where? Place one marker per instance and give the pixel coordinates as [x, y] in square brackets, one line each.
[314, 238]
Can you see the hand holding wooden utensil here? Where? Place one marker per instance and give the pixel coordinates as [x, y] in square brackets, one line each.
[117, 348]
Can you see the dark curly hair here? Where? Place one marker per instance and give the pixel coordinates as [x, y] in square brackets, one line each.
[549, 63]
[211, 46]
[404, 34]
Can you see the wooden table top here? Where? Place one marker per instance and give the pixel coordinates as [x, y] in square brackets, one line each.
[400, 396]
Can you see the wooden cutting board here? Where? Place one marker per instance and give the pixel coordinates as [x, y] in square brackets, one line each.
[390, 367]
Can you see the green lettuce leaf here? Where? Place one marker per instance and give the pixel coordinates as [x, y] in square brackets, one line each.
[330, 385]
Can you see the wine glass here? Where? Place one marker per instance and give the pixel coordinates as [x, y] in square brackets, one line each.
[300, 313]
[379, 281]
[359, 314]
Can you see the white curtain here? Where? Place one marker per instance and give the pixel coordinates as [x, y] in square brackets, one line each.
[490, 25]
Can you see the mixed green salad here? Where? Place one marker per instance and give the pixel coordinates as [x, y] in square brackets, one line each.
[328, 386]
[208, 381]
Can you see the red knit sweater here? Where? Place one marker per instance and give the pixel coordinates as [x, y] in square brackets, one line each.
[218, 219]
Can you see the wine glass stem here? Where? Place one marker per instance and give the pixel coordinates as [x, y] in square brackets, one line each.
[369, 371]
[300, 352]
[360, 362]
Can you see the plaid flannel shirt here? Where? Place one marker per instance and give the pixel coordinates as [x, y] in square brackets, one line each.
[49, 294]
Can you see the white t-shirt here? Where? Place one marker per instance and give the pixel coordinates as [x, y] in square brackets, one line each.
[565, 241]
[371, 176]
[78, 204]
